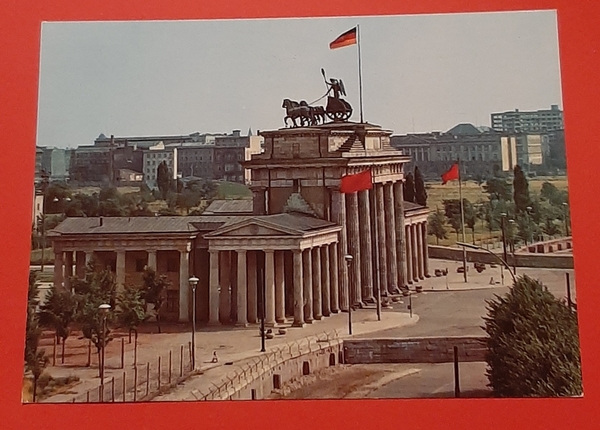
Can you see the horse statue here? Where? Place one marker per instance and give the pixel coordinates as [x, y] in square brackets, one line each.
[295, 110]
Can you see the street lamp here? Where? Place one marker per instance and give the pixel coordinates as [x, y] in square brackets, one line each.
[503, 228]
[193, 283]
[504, 263]
[529, 223]
[349, 259]
[104, 309]
[566, 215]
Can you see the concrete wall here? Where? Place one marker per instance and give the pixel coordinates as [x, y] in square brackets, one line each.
[414, 350]
[520, 260]
[283, 365]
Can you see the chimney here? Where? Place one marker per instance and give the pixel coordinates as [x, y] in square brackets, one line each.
[236, 133]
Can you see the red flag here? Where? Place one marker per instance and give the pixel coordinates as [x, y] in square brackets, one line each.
[451, 174]
[358, 182]
[346, 39]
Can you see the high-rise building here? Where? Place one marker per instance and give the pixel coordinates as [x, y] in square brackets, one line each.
[528, 121]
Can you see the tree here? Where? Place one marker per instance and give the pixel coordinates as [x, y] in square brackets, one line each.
[420, 191]
[35, 359]
[452, 212]
[59, 312]
[533, 343]
[162, 179]
[187, 200]
[470, 216]
[98, 287]
[154, 291]
[550, 227]
[497, 188]
[436, 226]
[520, 190]
[409, 188]
[131, 312]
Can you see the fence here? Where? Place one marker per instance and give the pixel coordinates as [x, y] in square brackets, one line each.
[143, 381]
[257, 367]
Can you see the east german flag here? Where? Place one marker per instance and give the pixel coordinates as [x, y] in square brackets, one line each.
[346, 39]
[358, 182]
[451, 174]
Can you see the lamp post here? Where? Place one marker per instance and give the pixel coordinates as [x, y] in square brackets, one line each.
[504, 263]
[503, 228]
[349, 259]
[529, 223]
[193, 283]
[104, 309]
[566, 218]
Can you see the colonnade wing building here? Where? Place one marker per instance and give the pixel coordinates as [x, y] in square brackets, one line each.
[295, 231]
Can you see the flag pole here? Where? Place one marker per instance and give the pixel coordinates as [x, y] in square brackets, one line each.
[462, 215]
[359, 72]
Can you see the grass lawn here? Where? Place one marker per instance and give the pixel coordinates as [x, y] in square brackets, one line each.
[437, 192]
[233, 190]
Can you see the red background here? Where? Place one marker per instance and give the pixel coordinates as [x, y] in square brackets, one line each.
[579, 32]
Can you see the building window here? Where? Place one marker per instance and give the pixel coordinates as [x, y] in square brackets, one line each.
[172, 301]
[140, 264]
[172, 265]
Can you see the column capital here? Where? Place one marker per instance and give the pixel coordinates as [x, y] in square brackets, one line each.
[213, 251]
[257, 188]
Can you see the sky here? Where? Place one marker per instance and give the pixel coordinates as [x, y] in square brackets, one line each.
[420, 73]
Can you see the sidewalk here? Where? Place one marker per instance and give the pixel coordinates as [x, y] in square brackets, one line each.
[232, 345]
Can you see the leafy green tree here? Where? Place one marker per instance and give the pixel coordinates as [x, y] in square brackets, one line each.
[162, 179]
[35, 358]
[154, 292]
[497, 189]
[520, 190]
[550, 227]
[526, 230]
[470, 217]
[98, 287]
[58, 312]
[60, 192]
[187, 200]
[436, 226]
[420, 191]
[409, 188]
[452, 212]
[131, 312]
[533, 343]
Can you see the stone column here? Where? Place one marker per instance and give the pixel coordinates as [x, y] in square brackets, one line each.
[409, 254]
[355, 296]
[298, 290]
[80, 264]
[184, 284]
[325, 281]
[419, 234]
[338, 215]
[270, 287]
[390, 238]
[213, 298]
[89, 256]
[366, 261]
[334, 277]
[316, 283]
[58, 269]
[68, 269]
[259, 200]
[224, 280]
[242, 282]
[308, 295]
[279, 287]
[415, 252]
[425, 251]
[152, 259]
[120, 269]
[380, 214]
[400, 240]
[252, 288]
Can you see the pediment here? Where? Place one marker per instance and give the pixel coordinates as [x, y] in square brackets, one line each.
[253, 228]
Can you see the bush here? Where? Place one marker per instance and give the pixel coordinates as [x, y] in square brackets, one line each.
[533, 344]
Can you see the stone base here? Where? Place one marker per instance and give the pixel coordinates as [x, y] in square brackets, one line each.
[326, 314]
[335, 311]
[271, 324]
[280, 321]
[308, 321]
[297, 324]
[237, 324]
[369, 300]
[318, 317]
